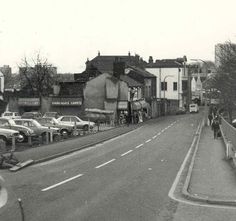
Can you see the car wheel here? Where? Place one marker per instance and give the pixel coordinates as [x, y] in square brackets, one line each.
[64, 133]
[85, 127]
[24, 138]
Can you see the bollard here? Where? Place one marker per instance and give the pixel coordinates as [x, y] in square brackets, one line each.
[47, 137]
[229, 150]
[51, 136]
[13, 148]
[21, 210]
[30, 141]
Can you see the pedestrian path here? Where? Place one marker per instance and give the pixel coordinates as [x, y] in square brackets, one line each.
[212, 174]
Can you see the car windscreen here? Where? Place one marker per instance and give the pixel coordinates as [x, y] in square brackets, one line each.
[8, 114]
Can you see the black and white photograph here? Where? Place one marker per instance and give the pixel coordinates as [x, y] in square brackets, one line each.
[117, 110]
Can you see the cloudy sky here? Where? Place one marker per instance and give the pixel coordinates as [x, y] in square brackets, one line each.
[67, 32]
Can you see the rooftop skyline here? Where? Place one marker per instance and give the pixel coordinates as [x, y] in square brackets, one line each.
[69, 32]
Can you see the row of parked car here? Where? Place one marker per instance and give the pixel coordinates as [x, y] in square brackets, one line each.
[33, 124]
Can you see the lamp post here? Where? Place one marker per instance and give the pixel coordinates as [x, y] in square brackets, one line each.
[165, 91]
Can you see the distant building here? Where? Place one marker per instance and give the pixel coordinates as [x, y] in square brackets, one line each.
[172, 81]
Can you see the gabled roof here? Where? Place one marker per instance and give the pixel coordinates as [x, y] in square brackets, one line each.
[65, 77]
[105, 63]
[141, 72]
[130, 81]
[165, 63]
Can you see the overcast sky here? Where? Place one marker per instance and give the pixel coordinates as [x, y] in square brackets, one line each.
[67, 32]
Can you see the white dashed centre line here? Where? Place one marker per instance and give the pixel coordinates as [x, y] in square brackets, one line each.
[123, 154]
[104, 164]
[154, 137]
[63, 182]
[139, 146]
[147, 141]
[159, 134]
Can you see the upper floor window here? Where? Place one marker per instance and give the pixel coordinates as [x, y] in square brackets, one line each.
[174, 86]
[164, 86]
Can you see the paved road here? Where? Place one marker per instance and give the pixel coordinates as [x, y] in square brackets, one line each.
[127, 178]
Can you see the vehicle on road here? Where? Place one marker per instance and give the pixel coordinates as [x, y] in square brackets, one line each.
[11, 115]
[51, 114]
[7, 134]
[38, 129]
[74, 120]
[31, 115]
[25, 132]
[193, 108]
[64, 128]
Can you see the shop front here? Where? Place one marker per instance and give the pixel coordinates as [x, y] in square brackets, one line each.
[67, 105]
[29, 104]
[123, 112]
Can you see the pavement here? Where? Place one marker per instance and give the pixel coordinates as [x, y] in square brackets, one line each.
[212, 179]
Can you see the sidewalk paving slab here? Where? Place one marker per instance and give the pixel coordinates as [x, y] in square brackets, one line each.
[212, 178]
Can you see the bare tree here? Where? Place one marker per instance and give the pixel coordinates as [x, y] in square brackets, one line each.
[37, 76]
[225, 79]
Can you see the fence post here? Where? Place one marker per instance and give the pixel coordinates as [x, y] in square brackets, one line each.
[229, 150]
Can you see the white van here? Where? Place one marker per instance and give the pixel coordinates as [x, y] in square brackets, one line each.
[193, 108]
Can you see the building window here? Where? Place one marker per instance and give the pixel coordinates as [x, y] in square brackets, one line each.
[164, 86]
[174, 86]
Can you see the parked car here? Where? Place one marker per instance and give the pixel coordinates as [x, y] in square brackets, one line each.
[80, 124]
[31, 115]
[193, 108]
[11, 115]
[10, 124]
[38, 129]
[7, 134]
[65, 129]
[181, 110]
[51, 114]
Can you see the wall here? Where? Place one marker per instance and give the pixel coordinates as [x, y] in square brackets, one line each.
[176, 76]
[123, 91]
[94, 92]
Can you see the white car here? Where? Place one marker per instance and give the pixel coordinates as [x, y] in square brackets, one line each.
[80, 124]
[193, 108]
[11, 115]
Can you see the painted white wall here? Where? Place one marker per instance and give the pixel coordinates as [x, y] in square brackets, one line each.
[1, 82]
[165, 73]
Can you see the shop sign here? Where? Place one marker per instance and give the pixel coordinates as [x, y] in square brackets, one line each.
[68, 101]
[29, 102]
[122, 105]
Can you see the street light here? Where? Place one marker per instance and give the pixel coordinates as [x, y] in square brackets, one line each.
[165, 83]
[165, 91]
[205, 103]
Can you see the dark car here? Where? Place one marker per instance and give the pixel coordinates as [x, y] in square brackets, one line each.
[181, 110]
[31, 115]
